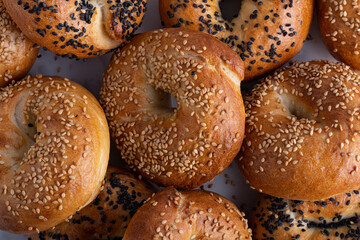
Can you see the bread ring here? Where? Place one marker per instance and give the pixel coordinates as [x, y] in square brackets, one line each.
[54, 151]
[108, 216]
[187, 146]
[77, 28]
[266, 34]
[302, 132]
[331, 219]
[188, 215]
[17, 53]
[339, 24]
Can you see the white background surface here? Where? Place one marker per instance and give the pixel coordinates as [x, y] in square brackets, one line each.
[89, 73]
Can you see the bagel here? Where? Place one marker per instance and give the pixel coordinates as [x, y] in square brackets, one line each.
[171, 214]
[187, 146]
[108, 216]
[79, 29]
[331, 219]
[339, 24]
[17, 53]
[54, 151]
[266, 34]
[302, 132]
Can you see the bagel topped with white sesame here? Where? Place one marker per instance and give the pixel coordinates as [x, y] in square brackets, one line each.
[78, 28]
[108, 216]
[187, 146]
[172, 214]
[54, 151]
[17, 53]
[339, 23]
[302, 132]
[266, 33]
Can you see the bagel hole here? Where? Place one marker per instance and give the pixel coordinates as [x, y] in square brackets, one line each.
[161, 101]
[230, 9]
[297, 109]
[27, 125]
[298, 112]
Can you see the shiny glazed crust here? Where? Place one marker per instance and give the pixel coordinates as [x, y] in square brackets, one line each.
[339, 23]
[302, 132]
[266, 33]
[331, 219]
[188, 215]
[108, 216]
[77, 28]
[187, 146]
[17, 53]
[54, 151]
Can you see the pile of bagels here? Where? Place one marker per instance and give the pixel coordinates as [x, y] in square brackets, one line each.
[295, 135]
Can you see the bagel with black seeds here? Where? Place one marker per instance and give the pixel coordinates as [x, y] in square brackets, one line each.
[266, 33]
[330, 219]
[78, 28]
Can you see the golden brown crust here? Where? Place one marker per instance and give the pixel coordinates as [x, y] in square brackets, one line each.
[188, 215]
[266, 34]
[54, 150]
[302, 132]
[339, 23]
[187, 146]
[331, 219]
[17, 53]
[77, 28]
[108, 216]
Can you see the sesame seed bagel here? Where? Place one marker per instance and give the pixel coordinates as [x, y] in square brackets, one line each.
[188, 215]
[108, 216]
[331, 219]
[339, 22]
[302, 132]
[54, 150]
[191, 144]
[78, 28]
[17, 53]
[266, 34]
